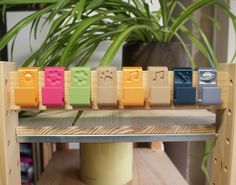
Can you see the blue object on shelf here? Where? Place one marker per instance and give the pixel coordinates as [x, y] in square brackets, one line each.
[184, 93]
[208, 92]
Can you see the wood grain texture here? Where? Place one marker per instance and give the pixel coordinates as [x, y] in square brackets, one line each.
[224, 160]
[47, 153]
[118, 122]
[222, 78]
[9, 155]
[150, 168]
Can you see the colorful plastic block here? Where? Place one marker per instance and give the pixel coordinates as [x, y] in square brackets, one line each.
[26, 94]
[80, 86]
[208, 92]
[107, 86]
[133, 90]
[158, 83]
[184, 93]
[211, 95]
[53, 91]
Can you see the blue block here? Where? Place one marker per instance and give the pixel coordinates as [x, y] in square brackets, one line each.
[211, 95]
[182, 79]
[185, 95]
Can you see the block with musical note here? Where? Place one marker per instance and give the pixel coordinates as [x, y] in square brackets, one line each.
[184, 93]
[53, 90]
[133, 90]
[79, 92]
[26, 94]
[158, 85]
[107, 86]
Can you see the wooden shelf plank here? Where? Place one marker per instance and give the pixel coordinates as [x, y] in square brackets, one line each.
[150, 167]
[118, 126]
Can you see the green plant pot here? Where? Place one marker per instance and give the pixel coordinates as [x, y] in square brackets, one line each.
[154, 54]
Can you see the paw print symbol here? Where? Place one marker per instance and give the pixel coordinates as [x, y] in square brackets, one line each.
[106, 76]
[80, 77]
[54, 78]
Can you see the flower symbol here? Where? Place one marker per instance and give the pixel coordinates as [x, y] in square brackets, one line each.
[80, 77]
[54, 78]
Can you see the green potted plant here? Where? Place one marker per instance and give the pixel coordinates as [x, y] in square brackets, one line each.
[78, 27]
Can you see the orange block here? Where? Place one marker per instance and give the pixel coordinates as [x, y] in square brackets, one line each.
[133, 76]
[26, 94]
[133, 90]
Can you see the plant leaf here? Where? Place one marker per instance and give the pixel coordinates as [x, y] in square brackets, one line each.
[12, 32]
[185, 14]
[78, 32]
[112, 50]
[15, 2]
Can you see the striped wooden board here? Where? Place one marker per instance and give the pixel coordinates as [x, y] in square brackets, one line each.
[118, 122]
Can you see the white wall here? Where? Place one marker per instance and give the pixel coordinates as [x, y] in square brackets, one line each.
[22, 43]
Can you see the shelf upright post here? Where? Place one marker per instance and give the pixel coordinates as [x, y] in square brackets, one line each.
[224, 158]
[9, 148]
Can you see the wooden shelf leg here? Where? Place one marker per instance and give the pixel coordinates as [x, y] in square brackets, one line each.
[106, 163]
[9, 148]
[224, 159]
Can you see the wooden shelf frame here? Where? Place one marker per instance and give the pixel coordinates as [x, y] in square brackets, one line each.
[224, 160]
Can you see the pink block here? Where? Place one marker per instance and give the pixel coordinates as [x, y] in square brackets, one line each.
[53, 91]
[53, 96]
[54, 76]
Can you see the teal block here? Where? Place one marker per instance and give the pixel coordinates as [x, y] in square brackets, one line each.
[80, 86]
[80, 96]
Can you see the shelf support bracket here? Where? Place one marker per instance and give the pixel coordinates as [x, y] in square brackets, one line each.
[224, 157]
[9, 148]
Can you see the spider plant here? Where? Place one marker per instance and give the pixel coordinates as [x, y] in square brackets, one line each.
[79, 26]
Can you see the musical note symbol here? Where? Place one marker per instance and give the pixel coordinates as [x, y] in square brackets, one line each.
[133, 76]
[160, 74]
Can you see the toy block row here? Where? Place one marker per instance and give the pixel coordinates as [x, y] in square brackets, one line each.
[55, 87]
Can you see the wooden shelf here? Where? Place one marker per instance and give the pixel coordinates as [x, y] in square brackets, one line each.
[150, 167]
[118, 126]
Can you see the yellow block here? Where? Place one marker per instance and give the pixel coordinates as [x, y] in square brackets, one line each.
[133, 76]
[133, 90]
[26, 94]
[26, 97]
[133, 96]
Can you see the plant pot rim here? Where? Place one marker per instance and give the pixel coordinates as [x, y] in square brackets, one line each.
[152, 42]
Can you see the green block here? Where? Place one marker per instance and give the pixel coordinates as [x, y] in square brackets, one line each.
[80, 77]
[80, 86]
[80, 96]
